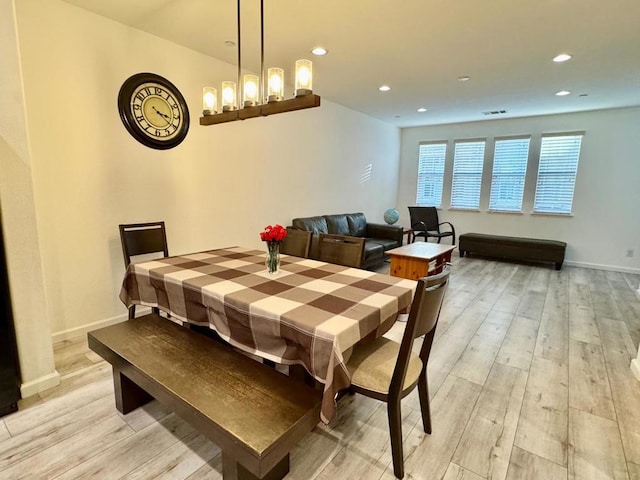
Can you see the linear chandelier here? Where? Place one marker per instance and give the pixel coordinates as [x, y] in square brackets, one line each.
[253, 91]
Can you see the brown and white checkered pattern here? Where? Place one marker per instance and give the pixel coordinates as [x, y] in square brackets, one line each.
[310, 313]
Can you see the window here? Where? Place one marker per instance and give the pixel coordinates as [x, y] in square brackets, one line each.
[509, 170]
[431, 158]
[467, 174]
[557, 173]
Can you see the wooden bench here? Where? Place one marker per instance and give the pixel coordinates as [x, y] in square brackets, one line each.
[252, 412]
[513, 248]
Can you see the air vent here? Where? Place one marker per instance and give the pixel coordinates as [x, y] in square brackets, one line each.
[494, 112]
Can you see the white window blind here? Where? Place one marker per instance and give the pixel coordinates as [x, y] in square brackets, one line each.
[557, 171]
[467, 174]
[431, 159]
[509, 171]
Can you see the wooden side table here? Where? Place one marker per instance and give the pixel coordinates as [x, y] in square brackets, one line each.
[419, 259]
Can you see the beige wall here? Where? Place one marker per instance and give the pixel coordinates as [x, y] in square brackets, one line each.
[31, 318]
[220, 187]
[605, 222]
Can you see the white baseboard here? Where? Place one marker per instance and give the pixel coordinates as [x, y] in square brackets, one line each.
[635, 367]
[40, 384]
[597, 266]
[84, 329]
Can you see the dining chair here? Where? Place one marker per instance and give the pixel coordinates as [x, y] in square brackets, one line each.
[141, 239]
[342, 250]
[425, 223]
[389, 371]
[296, 243]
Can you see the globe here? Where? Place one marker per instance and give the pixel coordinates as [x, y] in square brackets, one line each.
[391, 216]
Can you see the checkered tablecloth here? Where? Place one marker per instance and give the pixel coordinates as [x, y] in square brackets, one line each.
[310, 313]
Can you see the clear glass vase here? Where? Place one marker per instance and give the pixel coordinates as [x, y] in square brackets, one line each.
[272, 260]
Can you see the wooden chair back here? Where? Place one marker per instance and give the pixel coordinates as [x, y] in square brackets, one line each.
[296, 243]
[143, 238]
[342, 250]
[423, 319]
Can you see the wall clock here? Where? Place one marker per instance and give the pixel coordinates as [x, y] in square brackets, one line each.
[153, 111]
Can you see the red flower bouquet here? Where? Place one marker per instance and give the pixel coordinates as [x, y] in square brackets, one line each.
[273, 235]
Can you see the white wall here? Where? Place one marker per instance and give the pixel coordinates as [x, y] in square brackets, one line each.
[605, 221]
[220, 187]
[33, 334]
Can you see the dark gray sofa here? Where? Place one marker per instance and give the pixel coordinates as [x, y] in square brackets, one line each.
[379, 237]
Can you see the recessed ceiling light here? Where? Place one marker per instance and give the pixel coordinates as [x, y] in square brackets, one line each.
[583, 95]
[563, 57]
[384, 88]
[230, 43]
[319, 51]
[562, 93]
[396, 116]
[464, 78]
[421, 110]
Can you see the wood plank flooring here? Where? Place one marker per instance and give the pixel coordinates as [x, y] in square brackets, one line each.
[529, 379]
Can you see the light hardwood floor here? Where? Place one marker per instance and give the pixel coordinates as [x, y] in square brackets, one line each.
[529, 379]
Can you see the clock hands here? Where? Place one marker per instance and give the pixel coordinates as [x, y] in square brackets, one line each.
[166, 117]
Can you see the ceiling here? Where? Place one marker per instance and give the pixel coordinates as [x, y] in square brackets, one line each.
[420, 48]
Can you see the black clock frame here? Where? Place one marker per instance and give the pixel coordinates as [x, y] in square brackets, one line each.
[128, 119]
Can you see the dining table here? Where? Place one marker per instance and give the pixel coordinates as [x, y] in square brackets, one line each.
[309, 313]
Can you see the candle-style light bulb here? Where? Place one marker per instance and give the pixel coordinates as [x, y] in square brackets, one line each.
[209, 101]
[275, 84]
[250, 90]
[228, 96]
[304, 77]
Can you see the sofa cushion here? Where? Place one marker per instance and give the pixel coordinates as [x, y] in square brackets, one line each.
[372, 249]
[337, 224]
[385, 243]
[313, 224]
[357, 224]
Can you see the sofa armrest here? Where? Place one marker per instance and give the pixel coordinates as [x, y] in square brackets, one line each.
[378, 230]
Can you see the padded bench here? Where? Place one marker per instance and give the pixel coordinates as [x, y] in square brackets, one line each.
[252, 412]
[513, 248]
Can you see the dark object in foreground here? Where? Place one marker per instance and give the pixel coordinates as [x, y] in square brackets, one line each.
[252, 412]
[9, 365]
[513, 248]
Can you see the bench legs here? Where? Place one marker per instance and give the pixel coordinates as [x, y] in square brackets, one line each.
[129, 396]
[232, 470]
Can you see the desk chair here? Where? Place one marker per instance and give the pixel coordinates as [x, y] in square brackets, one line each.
[424, 223]
[389, 371]
[342, 250]
[296, 243]
[141, 239]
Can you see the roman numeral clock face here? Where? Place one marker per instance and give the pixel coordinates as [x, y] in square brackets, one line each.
[153, 110]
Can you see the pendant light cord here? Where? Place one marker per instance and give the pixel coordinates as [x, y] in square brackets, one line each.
[239, 88]
[262, 78]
